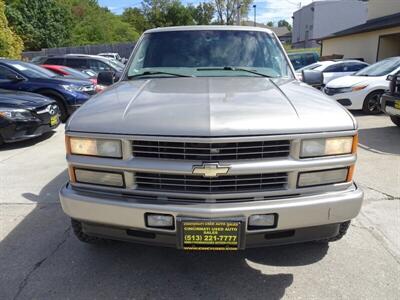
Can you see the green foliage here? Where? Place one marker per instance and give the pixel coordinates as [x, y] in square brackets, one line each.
[284, 23]
[40, 23]
[11, 44]
[226, 10]
[270, 24]
[135, 18]
[203, 13]
[93, 24]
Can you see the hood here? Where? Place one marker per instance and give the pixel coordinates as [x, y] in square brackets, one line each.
[22, 99]
[210, 106]
[348, 81]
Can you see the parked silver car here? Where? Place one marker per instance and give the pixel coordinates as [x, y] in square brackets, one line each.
[208, 142]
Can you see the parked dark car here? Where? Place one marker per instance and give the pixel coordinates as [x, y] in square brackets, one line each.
[302, 59]
[68, 93]
[390, 101]
[25, 115]
[83, 61]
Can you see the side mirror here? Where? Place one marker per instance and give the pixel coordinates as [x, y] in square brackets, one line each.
[313, 78]
[105, 78]
[14, 77]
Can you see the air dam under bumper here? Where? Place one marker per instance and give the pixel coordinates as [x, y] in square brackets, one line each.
[299, 218]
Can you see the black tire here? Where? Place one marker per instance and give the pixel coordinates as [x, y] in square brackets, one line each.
[395, 120]
[83, 237]
[372, 103]
[342, 232]
[60, 103]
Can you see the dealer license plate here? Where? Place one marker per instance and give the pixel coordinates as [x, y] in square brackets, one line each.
[210, 235]
[53, 120]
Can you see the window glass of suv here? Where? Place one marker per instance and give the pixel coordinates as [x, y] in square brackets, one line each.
[55, 61]
[335, 68]
[380, 68]
[187, 51]
[76, 63]
[355, 66]
[98, 66]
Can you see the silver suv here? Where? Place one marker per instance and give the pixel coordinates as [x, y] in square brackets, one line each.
[208, 142]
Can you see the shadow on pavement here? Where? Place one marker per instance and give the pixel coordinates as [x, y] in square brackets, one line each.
[382, 139]
[27, 143]
[40, 258]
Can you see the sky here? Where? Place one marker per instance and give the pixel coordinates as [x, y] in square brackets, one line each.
[267, 10]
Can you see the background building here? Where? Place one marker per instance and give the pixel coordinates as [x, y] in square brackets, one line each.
[322, 18]
[376, 39]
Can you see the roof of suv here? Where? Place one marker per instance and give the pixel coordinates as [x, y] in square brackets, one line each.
[209, 27]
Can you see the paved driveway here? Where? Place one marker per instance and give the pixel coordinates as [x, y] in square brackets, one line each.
[41, 259]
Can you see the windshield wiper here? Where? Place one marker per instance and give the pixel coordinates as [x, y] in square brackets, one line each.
[228, 68]
[149, 73]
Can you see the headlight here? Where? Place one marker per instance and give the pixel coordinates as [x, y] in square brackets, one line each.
[78, 88]
[99, 177]
[314, 178]
[328, 146]
[16, 114]
[94, 147]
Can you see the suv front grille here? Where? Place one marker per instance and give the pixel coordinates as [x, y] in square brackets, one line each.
[221, 184]
[211, 151]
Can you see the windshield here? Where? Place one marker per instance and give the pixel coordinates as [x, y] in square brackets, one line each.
[381, 68]
[32, 71]
[186, 52]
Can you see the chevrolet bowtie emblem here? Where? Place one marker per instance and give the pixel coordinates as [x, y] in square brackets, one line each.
[210, 170]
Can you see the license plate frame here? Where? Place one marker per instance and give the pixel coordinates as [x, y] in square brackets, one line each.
[218, 234]
[54, 120]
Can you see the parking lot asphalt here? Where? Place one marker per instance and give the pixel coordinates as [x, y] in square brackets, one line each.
[40, 258]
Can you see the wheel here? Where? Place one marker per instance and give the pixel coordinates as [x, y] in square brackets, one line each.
[372, 103]
[395, 120]
[342, 231]
[83, 237]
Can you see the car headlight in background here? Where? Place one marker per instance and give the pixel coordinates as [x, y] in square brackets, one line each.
[349, 89]
[314, 178]
[16, 114]
[94, 147]
[78, 88]
[99, 177]
[328, 146]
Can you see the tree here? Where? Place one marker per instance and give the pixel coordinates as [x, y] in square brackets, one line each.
[270, 24]
[40, 23]
[11, 44]
[227, 10]
[136, 18]
[284, 23]
[161, 13]
[93, 24]
[203, 13]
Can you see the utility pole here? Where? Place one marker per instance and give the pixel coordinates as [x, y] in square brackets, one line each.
[238, 6]
[255, 14]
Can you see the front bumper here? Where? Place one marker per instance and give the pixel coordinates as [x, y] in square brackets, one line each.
[21, 130]
[306, 217]
[353, 100]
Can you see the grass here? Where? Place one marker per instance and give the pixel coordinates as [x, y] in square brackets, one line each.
[289, 49]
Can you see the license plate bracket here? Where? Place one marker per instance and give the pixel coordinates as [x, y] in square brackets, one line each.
[211, 234]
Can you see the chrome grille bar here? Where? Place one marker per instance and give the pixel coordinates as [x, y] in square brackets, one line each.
[222, 184]
[211, 151]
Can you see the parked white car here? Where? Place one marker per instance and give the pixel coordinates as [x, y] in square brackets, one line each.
[364, 89]
[333, 69]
